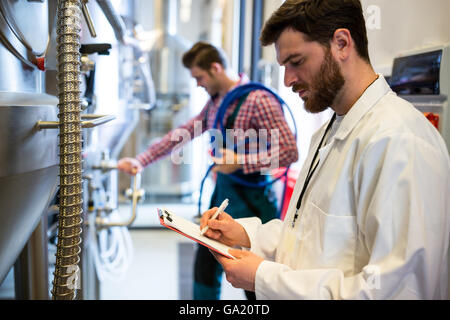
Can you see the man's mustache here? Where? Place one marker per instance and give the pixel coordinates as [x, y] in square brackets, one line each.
[298, 87]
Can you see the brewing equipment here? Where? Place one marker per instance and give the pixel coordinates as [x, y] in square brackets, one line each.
[28, 157]
[423, 78]
[172, 108]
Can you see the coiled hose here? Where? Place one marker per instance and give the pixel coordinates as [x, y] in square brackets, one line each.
[70, 149]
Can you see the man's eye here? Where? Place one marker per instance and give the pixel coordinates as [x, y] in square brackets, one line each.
[297, 62]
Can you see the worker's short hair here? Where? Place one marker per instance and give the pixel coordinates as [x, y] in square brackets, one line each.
[318, 20]
[203, 55]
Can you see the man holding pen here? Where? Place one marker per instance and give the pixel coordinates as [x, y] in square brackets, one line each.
[369, 217]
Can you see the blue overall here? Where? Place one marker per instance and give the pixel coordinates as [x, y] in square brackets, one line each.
[244, 202]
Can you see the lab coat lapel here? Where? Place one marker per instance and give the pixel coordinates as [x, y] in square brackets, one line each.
[315, 140]
[362, 106]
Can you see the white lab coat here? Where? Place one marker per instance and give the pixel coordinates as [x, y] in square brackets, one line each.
[374, 222]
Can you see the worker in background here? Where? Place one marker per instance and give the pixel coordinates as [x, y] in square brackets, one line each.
[258, 110]
[369, 216]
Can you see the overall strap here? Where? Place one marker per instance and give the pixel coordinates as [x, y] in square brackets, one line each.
[233, 116]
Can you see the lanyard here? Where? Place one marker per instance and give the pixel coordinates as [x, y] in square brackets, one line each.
[312, 170]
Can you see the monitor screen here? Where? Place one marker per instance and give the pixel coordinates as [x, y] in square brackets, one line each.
[417, 74]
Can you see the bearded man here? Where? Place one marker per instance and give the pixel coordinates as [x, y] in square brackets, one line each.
[363, 222]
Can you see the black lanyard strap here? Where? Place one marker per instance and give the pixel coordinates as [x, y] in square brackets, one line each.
[312, 170]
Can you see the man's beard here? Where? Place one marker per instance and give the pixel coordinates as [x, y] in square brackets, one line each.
[324, 87]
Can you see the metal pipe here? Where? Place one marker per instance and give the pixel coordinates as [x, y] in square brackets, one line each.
[94, 120]
[136, 196]
[258, 16]
[70, 148]
[114, 19]
[241, 53]
[87, 17]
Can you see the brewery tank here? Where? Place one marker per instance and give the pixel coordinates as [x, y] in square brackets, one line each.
[173, 98]
[28, 156]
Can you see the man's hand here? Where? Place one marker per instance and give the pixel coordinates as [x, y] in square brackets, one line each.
[130, 166]
[228, 163]
[241, 272]
[224, 229]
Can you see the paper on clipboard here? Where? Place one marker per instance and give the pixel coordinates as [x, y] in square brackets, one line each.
[191, 231]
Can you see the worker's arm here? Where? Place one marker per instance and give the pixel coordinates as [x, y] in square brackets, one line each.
[228, 162]
[250, 233]
[241, 273]
[130, 166]
[174, 139]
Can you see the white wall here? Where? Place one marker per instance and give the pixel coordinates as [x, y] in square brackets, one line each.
[406, 25]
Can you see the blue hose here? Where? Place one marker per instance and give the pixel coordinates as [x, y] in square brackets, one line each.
[228, 100]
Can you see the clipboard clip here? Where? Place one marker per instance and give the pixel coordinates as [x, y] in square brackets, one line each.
[163, 214]
[168, 216]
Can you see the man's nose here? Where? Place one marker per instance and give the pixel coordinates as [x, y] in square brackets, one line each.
[200, 84]
[290, 77]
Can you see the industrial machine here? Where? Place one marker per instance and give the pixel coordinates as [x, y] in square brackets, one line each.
[76, 79]
[423, 78]
[28, 156]
[44, 137]
[173, 99]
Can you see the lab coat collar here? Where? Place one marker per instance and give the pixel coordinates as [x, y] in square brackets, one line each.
[370, 97]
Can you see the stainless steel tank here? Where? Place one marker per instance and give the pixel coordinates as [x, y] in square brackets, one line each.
[28, 157]
[173, 90]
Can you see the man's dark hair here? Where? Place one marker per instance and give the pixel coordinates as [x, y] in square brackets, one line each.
[203, 55]
[318, 20]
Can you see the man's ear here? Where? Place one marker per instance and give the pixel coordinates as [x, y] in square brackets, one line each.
[216, 68]
[342, 43]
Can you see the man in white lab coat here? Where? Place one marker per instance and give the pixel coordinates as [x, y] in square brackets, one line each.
[369, 216]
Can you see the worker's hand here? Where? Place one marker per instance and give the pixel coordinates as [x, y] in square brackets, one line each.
[229, 162]
[130, 166]
[241, 272]
[224, 229]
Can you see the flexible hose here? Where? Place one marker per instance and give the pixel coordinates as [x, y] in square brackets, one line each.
[112, 251]
[70, 149]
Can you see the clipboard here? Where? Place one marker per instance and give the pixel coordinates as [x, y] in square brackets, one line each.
[192, 231]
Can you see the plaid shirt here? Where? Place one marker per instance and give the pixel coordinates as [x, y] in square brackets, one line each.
[260, 110]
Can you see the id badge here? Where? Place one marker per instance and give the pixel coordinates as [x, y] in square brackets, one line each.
[289, 240]
[288, 245]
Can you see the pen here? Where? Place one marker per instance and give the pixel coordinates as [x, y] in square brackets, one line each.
[219, 211]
